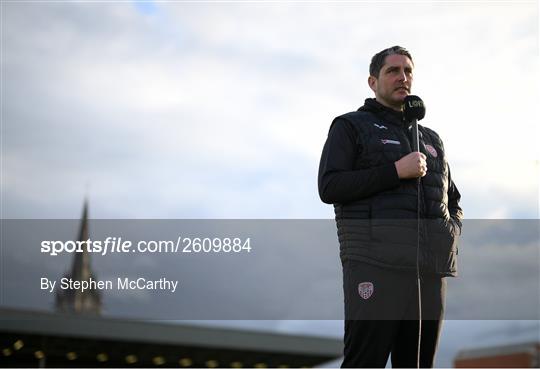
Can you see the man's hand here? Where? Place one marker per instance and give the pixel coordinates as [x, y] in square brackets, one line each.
[412, 165]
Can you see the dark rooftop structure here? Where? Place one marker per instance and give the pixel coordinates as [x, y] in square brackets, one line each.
[39, 339]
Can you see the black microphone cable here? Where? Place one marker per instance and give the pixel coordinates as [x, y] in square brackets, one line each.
[418, 204]
[418, 276]
[414, 110]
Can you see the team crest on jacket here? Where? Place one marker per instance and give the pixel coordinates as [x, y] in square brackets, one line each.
[431, 150]
[365, 289]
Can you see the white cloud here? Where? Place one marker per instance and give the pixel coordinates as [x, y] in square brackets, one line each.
[165, 106]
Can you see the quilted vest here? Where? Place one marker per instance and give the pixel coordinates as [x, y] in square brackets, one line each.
[398, 227]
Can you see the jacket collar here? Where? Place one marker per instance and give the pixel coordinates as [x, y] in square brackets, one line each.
[383, 112]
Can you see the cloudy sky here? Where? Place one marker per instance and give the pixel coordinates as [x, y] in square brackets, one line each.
[220, 109]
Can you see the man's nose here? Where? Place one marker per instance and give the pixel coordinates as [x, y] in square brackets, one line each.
[403, 76]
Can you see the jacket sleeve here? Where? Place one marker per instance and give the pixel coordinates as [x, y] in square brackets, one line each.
[338, 181]
[456, 213]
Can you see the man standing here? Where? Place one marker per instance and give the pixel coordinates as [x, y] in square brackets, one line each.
[397, 214]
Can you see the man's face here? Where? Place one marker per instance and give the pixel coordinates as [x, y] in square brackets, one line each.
[394, 81]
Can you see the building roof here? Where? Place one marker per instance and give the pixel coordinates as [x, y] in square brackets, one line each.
[62, 337]
[164, 332]
[525, 347]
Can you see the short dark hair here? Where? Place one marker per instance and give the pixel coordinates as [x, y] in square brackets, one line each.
[377, 62]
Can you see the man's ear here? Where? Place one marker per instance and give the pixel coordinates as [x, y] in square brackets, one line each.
[372, 82]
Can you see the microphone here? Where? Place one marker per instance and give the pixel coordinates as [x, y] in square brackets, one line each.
[413, 111]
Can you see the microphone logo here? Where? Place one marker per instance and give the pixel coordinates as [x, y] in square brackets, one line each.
[415, 103]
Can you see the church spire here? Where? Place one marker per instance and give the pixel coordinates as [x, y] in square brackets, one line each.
[81, 262]
[75, 301]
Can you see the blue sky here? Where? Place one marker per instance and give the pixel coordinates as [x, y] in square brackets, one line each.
[220, 110]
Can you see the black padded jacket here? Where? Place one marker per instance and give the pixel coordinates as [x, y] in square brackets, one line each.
[381, 219]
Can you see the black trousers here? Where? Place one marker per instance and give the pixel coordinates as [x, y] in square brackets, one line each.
[382, 316]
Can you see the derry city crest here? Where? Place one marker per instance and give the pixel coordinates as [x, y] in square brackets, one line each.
[365, 290]
[431, 150]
